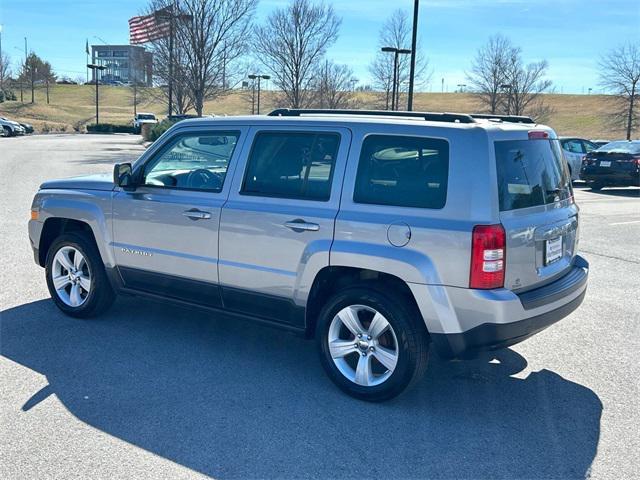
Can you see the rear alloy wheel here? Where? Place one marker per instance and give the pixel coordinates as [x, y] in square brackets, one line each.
[365, 355]
[372, 344]
[76, 277]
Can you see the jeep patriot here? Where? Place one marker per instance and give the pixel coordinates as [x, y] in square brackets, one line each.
[381, 234]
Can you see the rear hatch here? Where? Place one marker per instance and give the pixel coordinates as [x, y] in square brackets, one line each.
[536, 210]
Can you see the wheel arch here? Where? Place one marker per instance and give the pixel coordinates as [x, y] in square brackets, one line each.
[54, 227]
[332, 279]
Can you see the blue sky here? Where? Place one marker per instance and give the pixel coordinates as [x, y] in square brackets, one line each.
[570, 34]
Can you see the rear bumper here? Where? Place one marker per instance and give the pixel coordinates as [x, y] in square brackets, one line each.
[492, 336]
[622, 178]
[467, 321]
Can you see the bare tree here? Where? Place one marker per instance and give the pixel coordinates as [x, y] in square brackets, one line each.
[489, 71]
[5, 70]
[396, 32]
[210, 37]
[620, 74]
[332, 86]
[215, 37]
[504, 84]
[292, 44]
[526, 86]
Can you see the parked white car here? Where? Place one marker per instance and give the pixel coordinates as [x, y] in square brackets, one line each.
[142, 118]
[11, 128]
[574, 149]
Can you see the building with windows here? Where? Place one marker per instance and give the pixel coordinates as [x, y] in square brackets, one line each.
[124, 63]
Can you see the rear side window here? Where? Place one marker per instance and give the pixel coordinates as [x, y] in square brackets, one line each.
[530, 173]
[292, 165]
[573, 146]
[403, 171]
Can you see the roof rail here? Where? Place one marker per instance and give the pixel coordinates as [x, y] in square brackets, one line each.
[429, 116]
[503, 118]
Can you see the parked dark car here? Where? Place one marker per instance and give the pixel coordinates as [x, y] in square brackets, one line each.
[615, 164]
[28, 128]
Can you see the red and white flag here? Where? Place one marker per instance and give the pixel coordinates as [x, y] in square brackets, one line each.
[148, 27]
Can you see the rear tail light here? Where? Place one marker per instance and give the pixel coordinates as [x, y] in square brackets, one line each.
[488, 255]
[587, 161]
[635, 160]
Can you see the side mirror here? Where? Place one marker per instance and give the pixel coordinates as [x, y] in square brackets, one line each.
[123, 176]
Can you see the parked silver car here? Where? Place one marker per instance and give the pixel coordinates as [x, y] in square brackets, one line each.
[379, 233]
[574, 150]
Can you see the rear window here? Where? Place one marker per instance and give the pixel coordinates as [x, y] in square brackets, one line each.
[530, 173]
[621, 147]
[403, 171]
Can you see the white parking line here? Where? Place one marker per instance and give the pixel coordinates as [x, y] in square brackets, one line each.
[625, 223]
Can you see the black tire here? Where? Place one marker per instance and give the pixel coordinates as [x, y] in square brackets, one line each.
[410, 332]
[596, 186]
[10, 132]
[101, 295]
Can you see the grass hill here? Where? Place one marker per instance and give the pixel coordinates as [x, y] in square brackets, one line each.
[73, 106]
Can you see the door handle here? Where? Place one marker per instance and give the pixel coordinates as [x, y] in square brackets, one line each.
[195, 214]
[299, 225]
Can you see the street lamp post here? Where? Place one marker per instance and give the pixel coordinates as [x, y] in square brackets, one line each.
[461, 87]
[96, 69]
[395, 90]
[258, 77]
[414, 39]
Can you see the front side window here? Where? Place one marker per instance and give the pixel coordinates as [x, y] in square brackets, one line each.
[292, 165]
[193, 162]
[403, 171]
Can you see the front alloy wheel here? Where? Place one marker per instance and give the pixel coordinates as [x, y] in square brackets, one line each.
[71, 276]
[76, 276]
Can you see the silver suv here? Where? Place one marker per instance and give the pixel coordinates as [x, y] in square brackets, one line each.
[379, 233]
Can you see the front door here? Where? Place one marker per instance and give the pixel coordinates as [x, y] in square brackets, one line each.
[277, 226]
[166, 231]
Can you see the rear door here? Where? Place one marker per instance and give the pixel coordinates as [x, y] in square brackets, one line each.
[278, 222]
[536, 210]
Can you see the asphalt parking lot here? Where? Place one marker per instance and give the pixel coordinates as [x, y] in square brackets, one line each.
[150, 390]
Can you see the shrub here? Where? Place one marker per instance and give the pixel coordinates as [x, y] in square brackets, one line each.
[46, 128]
[2, 96]
[159, 128]
[109, 128]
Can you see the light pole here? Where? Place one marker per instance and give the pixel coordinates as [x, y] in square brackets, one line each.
[258, 77]
[414, 40]
[395, 90]
[96, 69]
[461, 87]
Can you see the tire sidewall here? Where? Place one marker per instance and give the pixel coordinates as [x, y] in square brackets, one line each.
[89, 253]
[398, 318]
